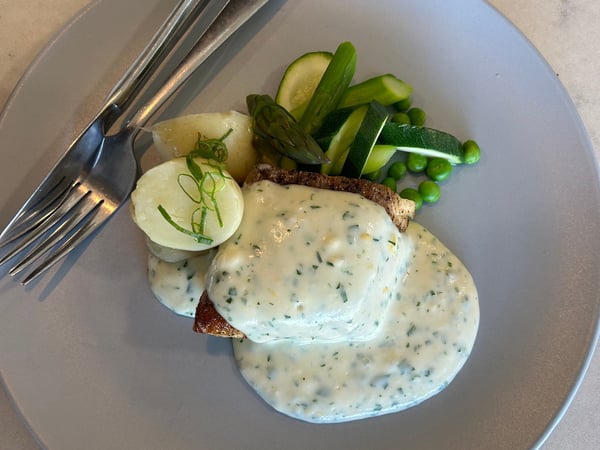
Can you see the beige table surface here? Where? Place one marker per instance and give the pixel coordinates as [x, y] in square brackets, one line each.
[567, 33]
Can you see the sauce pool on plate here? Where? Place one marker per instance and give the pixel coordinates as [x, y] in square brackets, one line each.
[425, 339]
[397, 333]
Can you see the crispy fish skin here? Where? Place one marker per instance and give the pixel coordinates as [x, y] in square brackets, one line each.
[209, 321]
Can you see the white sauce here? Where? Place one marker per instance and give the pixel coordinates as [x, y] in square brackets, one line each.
[179, 285]
[407, 338]
[307, 265]
[426, 337]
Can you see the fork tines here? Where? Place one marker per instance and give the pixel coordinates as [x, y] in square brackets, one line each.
[50, 228]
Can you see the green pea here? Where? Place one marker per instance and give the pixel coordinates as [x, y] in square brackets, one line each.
[430, 191]
[438, 169]
[412, 194]
[417, 116]
[472, 152]
[397, 170]
[389, 182]
[416, 163]
[403, 105]
[401, 118]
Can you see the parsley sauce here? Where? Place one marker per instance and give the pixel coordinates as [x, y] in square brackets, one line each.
[179, 285]
[308, 265]
[426, 336]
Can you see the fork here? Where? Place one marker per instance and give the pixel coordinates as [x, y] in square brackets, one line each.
[83, 191]
[116, 101]
[47, 206]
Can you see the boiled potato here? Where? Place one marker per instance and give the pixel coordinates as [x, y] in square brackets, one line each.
[168, 254]
[161, 185]
[178, 136]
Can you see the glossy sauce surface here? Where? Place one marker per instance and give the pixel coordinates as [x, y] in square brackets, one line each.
[409, 317]
[308, 265]
[425, 338]
[179, 285]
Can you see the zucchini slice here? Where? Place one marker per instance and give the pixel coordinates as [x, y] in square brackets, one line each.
[300, 80]
[337, 134]
[366, 137]
[379, 157]
[424, 141]
[332, 125]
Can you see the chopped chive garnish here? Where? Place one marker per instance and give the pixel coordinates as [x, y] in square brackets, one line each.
[200, 238]
[202, 186]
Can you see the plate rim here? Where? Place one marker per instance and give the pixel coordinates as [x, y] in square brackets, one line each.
[592, 345]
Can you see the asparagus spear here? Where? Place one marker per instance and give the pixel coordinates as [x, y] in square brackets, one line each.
[385, 89]
[274, 126]
[335, 81]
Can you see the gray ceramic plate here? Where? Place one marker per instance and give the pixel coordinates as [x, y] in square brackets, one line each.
[92, 361]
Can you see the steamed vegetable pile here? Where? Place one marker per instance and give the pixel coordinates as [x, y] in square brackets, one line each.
[318, 121]
[367, 129]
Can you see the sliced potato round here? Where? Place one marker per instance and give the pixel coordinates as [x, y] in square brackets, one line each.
[162, 186]
[178, 136]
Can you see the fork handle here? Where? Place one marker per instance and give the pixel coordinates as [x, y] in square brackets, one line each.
[165, 38]
[233, 16]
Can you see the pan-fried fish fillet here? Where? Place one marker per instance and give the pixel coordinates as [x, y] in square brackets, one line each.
[399, 209]
[209, 321]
